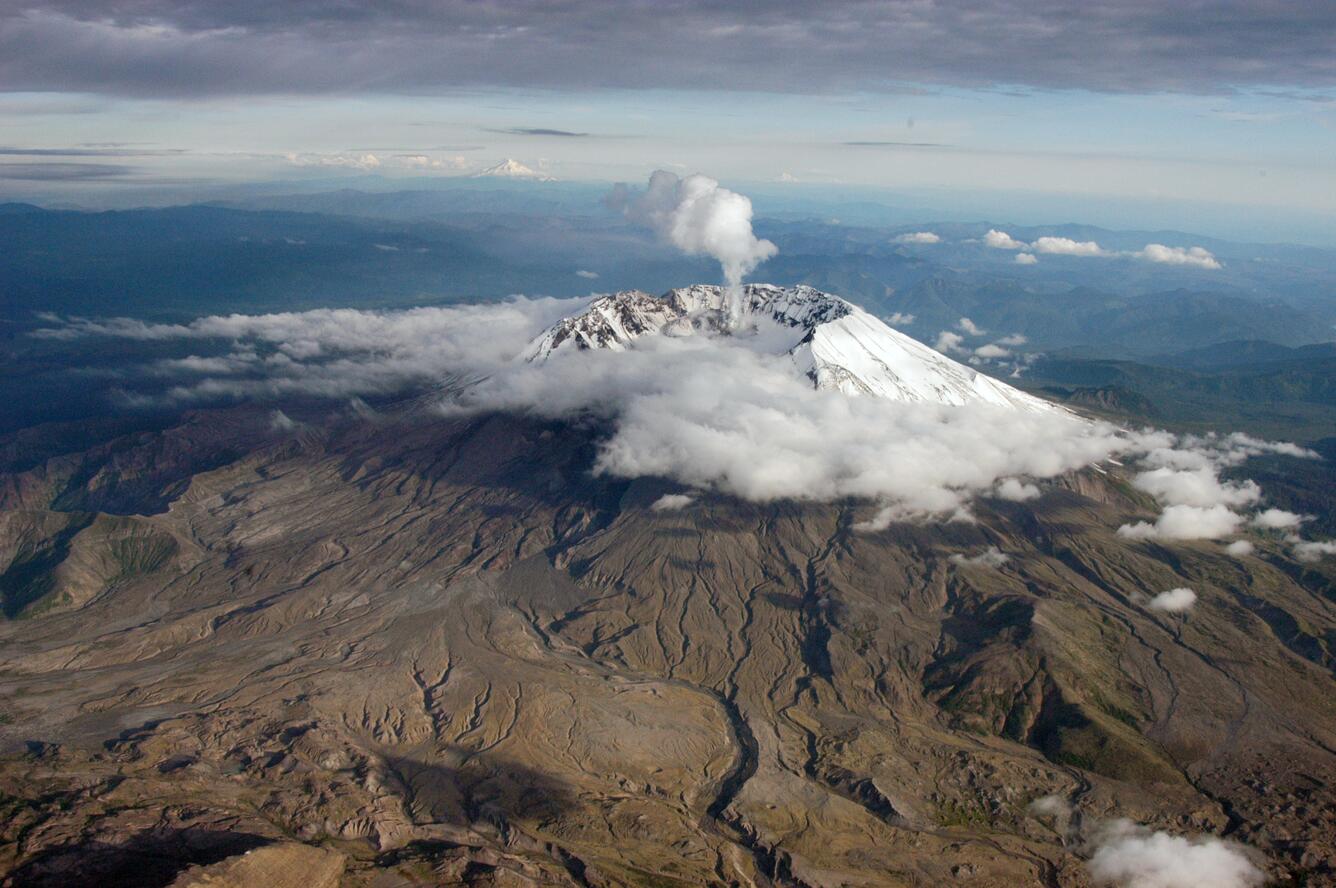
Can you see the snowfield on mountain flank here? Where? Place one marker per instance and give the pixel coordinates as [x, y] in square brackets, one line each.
[832, 342]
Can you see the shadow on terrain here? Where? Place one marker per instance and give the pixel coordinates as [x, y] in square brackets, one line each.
[150, 859]
[481, 789]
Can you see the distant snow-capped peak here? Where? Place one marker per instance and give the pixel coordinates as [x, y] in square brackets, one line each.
[512, 169]
[832, 342]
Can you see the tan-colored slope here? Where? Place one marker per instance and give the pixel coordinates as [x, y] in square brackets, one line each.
[281, 865]
[443, 649]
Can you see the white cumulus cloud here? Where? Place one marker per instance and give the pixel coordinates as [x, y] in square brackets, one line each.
[1315, 550]
[1183, 473]
[948, 342]
[1026, 259]
[918, 237]
[1175, 601]
[671, 502]
[365, 161]
[990, 557]
[1186, 523]
[969, 327]
[281, 422]
[713, 414]
[1000, 240]
[1279, 519]
[1198, 486]
[1130, 856]
[1065, 246]
[1015, 490]
[1240, 548]
[1198, 257]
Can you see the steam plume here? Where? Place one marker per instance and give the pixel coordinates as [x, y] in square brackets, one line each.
[700, 218]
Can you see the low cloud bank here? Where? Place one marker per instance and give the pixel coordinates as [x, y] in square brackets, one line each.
[331, 353]
[1065, 246]
[708, 412]
[711, 413]
[1198, 257]
[1194, 257]
[1183, 474]
[367, 161]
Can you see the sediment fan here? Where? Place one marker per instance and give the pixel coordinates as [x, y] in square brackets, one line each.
[832, 342]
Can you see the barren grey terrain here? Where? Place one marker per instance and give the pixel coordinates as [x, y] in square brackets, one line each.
[443, 653]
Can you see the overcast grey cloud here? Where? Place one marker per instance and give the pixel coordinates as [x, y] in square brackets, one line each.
[62, 172]
[888, 144]
[539, 131]
[152, 47]
[85, 151]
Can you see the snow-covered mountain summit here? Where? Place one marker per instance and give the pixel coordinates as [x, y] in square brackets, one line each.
[512, 169]
[832, 342]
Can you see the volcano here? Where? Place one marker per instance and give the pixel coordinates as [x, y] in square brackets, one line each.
[831, 341]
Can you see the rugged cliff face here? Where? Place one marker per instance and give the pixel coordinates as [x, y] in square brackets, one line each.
[444, 649]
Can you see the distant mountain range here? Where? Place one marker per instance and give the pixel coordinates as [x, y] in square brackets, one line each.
[1261, 387]
[393, 249]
